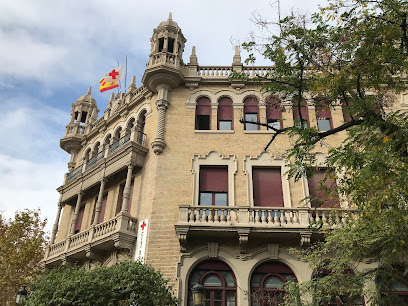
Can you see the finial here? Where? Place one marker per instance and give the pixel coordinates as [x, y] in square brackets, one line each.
[237, 50]
[89, 91]
[132, 85]
[170, 17]
[111, 97]
[236, 60]
[193, 57]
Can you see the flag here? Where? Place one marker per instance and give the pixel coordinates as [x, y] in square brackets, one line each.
[107, 85]
[116, 74]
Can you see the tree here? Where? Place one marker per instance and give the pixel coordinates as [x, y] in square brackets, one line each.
[127, 283]
[351, 53]
[22, 243]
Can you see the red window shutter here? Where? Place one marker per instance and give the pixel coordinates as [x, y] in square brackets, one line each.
[225, 110]
[79, 220]
[273, 109]
[251, 105]
[267, 187]
[203, 106]
[103, 208]
[214, 179]
[323, 112]
[304, 111]
[314, 182]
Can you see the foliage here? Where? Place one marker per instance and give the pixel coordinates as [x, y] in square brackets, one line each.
[128, 283]
[22, 242]
[352, 54]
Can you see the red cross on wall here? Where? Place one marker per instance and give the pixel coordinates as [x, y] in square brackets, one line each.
[113, 74]
[143, 225]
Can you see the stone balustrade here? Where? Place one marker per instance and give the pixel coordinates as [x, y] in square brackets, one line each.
[299, 217]
[97, 237]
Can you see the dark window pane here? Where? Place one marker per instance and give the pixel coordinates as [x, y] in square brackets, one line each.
[323, 124]
[203, 122]
[225, 125]
[253, 118]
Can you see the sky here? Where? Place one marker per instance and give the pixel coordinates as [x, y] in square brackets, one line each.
[52, 51]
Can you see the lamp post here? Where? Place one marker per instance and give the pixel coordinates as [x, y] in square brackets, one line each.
[21, 295]
[198, 294]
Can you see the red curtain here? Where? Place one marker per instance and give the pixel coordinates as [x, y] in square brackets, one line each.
[214, 179]
[314, 182]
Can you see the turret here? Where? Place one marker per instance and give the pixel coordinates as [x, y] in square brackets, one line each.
[166, 57]
[84, 112]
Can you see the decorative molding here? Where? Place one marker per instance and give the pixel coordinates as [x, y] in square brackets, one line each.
[213, 249]
[305, 238]
[243, 239]
[273, 250]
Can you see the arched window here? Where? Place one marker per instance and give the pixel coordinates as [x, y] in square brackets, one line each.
[225, 114]
[251, 113]
[219, 283]
[203, 114]
[268, 283]
[273, 113]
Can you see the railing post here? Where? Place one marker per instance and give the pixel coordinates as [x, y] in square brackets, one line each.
[91, 233]
[243, 215]
[183, 214]
[304, 217]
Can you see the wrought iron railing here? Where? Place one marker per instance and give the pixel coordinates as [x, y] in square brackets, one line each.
[94, 160]
[74, 173]
[119, 143]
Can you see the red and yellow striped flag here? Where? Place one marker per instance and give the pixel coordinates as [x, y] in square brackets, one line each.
[107, 85]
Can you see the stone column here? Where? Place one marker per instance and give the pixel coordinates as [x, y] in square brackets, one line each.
[75, 218]
[162, 104]
[57, 218]
[126, 190]
[98, 206]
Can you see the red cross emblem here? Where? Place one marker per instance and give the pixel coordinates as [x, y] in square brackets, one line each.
[113, 74]
[143, 225]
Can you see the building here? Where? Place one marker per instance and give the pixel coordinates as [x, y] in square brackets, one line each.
[171, 160]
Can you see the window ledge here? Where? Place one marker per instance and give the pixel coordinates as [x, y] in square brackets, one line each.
[214, 131]
[259, 132]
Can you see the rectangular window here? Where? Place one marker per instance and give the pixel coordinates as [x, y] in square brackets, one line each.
[203, 122]
[274, 123]
[225, 125]
[252, 118]
[305, 115]
[318, 193]
[323, 124]
[213, 186]
[267, 186]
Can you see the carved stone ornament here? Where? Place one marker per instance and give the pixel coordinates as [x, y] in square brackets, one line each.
[243, 239]
[305, 238]
[213, 249]
[273, 250]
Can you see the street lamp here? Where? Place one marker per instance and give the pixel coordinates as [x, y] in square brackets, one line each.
[198, 294]
[21, 295]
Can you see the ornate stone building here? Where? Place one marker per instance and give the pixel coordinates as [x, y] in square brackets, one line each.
[219, 210]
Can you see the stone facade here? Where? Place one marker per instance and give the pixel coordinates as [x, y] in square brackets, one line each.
[145, 149]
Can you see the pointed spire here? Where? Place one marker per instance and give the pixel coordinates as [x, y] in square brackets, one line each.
[193, 57]
[132, 85]
[89, 91]
[170, 17]
[111, 97]
[237, 57]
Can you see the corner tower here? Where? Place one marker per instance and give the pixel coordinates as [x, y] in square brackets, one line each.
[84, 112]
[164, 71]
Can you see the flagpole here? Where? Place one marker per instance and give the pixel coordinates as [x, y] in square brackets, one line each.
[119, 81]
[125, 73]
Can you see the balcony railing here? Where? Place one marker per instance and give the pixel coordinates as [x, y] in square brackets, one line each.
[119, 143]
[94, 160]
[74, 173]
[94, 236]
[300, 217]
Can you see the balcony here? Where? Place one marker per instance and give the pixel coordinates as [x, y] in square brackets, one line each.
[204, 221]
[95, 242]
[130, 149]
